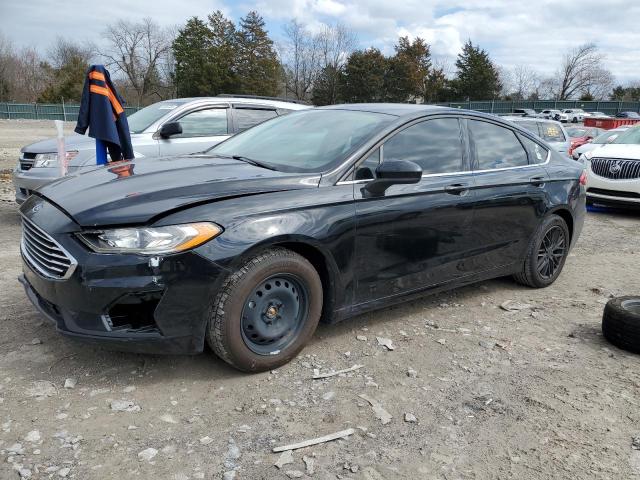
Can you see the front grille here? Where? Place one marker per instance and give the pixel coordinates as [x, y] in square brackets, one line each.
[43, 253]
[616, 169]
[27, 160]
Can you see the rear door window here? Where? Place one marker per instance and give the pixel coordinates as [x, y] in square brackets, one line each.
[248, 117]
[495, 146]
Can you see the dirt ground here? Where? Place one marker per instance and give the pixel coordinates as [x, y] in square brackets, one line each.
[473, 391]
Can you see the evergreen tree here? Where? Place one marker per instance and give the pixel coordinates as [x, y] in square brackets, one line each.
[412, 62]
[66, 81]
[364, 77]
[476, 76]
[259, 71]
[326, 88]
[204, 55]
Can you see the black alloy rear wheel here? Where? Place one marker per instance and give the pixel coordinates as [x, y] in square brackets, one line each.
[546, 254]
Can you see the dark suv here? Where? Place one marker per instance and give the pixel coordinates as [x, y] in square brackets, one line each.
[319, 214]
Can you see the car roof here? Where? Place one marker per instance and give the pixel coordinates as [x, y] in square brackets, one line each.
[241, 101]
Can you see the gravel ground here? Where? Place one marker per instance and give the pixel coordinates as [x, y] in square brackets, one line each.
[470, 390]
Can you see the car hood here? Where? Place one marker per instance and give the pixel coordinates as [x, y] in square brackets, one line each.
[618, 150]
[135, 192]
[71, 142]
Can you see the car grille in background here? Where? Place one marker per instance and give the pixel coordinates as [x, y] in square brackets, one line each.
[26, 160]
[613, 193]
[616, 169]
[43, 253]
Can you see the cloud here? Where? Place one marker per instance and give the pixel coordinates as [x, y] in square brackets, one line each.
[535, 33]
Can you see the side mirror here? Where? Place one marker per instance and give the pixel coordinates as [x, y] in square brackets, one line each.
[394, 172]
[170, 129]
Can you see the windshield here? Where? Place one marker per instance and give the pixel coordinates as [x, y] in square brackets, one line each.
[630, 137]
[305, 141]
[140, 121]
[605, 137]
[551, 132]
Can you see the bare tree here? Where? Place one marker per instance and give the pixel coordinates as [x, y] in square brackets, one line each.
[29, 76]
[336, 43]
[300, 55]
[65, 51]
[8, 69]
[138, 51]
[582, 70]
[522, 81]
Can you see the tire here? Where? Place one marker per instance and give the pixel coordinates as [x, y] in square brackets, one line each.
[276, 282]
[621, 323]
[532, 275]
[574, 120]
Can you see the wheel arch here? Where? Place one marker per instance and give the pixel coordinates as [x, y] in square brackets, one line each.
[320, 258]
[565, 214]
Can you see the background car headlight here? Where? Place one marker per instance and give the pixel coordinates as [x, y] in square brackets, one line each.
[151, 240]
[51, 159]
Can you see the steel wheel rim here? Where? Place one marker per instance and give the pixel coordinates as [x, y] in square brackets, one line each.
[274, 314]
[551, 252]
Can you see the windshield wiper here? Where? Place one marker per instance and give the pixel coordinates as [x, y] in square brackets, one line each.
[251, 161]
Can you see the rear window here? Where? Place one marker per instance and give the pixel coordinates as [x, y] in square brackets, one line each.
[551, 132]
[248, 117]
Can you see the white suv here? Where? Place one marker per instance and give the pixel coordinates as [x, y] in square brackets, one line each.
[574, 115]
[171, 127]
[613, 171]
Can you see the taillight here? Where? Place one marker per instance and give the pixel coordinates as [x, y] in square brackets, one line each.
[583, 178]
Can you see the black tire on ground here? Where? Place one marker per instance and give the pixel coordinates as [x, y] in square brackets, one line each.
[621, 323]
[533, 274]
[226, 330]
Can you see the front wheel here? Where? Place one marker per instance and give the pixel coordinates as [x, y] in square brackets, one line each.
[266, 311]
[548, 249]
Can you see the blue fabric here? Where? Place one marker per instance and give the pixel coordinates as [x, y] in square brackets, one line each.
[100, 116]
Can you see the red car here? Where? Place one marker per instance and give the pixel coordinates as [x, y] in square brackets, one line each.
[581, 135]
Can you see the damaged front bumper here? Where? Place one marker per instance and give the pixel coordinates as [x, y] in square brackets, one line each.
[126, 302]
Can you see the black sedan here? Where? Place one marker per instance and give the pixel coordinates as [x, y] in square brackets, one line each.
[318, 215]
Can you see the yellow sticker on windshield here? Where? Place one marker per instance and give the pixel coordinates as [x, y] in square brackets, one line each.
[553, 131]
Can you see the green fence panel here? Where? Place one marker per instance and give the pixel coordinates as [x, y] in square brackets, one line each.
[45, 111]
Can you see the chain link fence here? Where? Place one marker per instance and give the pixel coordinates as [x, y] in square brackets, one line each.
[45, 111]
[69, 112]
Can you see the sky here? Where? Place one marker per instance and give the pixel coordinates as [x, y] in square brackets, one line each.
[535, 33]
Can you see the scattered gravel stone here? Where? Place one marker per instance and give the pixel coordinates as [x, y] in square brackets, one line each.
[441, 341]
[230, 475]
[63, 472]
[168, 418]
[33, 436]
[294, 474]
[329, 396]
[361, 338]
[70, 383]
[635, 442]
[488, 344]
[233, 454]
[129, 389]
[36, 341]
[285, 458]
[309, 464]
[24, 473]
[16, 449]
[147, 454]
[411, 373]
[385, 342]
[513, 306]
[410, 418]
[124, 406]
[206, 440]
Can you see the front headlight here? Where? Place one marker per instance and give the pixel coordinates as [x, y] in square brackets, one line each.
[51, 159]
[151, 240]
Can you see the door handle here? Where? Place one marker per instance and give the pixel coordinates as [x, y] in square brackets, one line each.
[537, 181]
[457, 189]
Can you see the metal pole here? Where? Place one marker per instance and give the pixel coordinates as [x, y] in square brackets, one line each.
[64, 111]
[35, 107]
